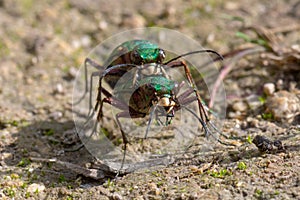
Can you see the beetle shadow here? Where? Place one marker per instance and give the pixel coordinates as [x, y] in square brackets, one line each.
[44, 140]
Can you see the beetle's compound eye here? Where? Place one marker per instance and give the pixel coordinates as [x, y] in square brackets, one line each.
[136, 57]
[161, 55]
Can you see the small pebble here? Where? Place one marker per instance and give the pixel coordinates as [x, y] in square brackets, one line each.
[283, 105]
[34, 154]
[279, 84]
[103, 25]
[194, 168]
[56, 115]
[6, 156]
[240, 106]
[230, 5]
[85, 186]
[72, 72]
[253, 101]
[117, 196]
[34, 188]
[211, 38]
[153, 188]
[269, 89]
[58, 89]
[133, 21]
[86, 41]
[296, 47]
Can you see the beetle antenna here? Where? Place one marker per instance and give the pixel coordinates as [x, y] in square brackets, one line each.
[105, 72]
[220, 57]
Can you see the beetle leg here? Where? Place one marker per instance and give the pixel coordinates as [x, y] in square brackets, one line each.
[91, 90]
[163, 71]
[112, 101]
[106, 72]
[94, 64]
[179, 63]
[202, 110]
[182, 97]
[136, 77]
[115, 102]
[127, 112]
[207, 130]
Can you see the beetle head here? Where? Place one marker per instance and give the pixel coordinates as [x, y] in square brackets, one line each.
[141, 55]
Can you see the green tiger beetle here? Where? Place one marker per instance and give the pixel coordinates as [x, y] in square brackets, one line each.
[151, 89]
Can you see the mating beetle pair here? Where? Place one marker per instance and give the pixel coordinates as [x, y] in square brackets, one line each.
[154, 93]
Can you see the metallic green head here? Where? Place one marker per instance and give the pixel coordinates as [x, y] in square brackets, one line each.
[146, 52]
[160, 84]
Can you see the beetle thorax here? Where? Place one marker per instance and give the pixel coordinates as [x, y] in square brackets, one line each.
[151, 69]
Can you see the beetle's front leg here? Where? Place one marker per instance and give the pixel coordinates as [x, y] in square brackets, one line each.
[112, 101]
[190, 79]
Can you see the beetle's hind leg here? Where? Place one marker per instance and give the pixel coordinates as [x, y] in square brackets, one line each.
[126, 112]
[91, 111]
